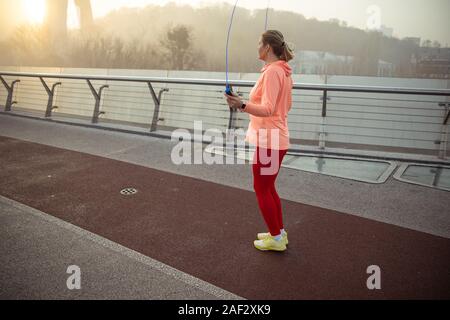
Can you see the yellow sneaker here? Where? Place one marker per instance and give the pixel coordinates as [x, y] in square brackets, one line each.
[269, 243]
[263, 235]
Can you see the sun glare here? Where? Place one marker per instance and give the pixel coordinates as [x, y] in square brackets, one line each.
[73, 16]
[34, 11]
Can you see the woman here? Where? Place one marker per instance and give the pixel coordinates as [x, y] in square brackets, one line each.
[269, 103]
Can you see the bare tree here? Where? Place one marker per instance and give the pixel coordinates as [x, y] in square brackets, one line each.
[177, 43]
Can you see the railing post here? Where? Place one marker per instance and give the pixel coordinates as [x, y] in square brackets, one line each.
[10, 90]
[229, 133]
[324, 103]
[97, 96]
[444, 132]
[322, 132]
[157, 102]
[447, 112]
[232, 121]
[51, 93]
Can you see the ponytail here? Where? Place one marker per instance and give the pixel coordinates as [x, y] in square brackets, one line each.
[287, 54]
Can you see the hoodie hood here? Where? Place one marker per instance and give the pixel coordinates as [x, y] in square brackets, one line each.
[279, 63]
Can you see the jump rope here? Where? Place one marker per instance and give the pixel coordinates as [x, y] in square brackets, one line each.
[229, 89]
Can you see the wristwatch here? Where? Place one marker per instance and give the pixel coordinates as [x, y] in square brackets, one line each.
[243, 106]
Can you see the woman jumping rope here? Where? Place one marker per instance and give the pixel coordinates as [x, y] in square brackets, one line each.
[270, 100]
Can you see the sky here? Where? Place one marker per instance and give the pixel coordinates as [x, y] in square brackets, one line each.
[427, 19]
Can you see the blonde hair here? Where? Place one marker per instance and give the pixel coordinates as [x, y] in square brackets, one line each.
[280, 48]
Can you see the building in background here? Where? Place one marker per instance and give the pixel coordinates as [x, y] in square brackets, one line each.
[386, 31]
[432, 62]
[56, 18]
[413, 40]
[319, 62]
[385, 69]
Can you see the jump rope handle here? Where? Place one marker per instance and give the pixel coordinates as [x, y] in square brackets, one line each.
[229, 91]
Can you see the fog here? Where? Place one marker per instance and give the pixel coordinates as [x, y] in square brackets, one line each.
[181, 37]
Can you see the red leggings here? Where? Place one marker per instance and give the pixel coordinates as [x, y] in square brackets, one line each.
[266, 165]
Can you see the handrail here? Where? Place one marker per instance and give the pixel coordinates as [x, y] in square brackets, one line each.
[324, 88]
[236, 83]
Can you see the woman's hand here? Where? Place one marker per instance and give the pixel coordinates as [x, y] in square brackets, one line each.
[234, 102]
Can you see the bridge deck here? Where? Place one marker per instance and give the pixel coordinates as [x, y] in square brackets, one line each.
[205, 228]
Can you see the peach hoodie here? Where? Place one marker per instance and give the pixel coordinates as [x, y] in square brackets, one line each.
[268, 107]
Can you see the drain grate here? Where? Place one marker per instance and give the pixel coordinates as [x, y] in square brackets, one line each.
[128, 191]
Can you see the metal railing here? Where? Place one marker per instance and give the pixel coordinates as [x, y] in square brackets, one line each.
[233, 117]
